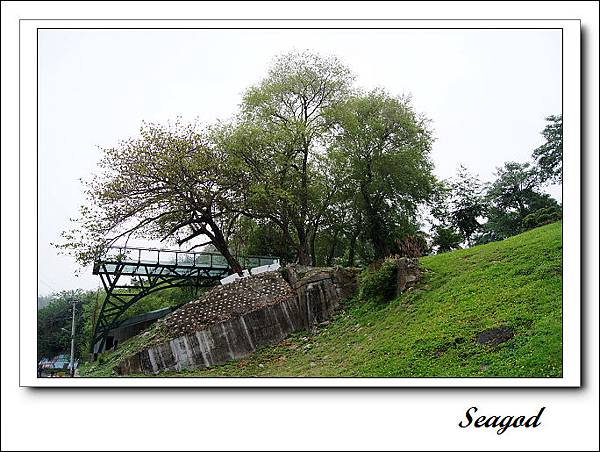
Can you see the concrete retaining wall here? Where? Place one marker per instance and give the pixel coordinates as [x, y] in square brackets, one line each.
[315, 296]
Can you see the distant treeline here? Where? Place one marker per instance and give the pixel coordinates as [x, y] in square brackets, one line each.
[54, 320]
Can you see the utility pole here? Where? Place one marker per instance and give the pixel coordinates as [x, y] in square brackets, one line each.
[72, 363]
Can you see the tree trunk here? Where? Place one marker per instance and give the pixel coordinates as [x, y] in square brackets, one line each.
[352, 249]
[313, 252]
[218, 240]
[303, 248]
[378, 235]
[303, 254]
[376, 227]
[231, 260]
[303, 257]
[332, 249]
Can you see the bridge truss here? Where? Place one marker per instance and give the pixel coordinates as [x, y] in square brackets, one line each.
[152, 270]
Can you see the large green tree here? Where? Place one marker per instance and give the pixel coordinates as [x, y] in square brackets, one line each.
[515, 188]
[279, 140]
[170, 184]
[550, 154]
[381, 152]
[513, 196]
[466, 204]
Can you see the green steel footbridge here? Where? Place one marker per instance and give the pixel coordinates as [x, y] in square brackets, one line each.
[152, 270]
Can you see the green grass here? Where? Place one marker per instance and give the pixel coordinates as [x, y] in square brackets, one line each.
[431, 330]
[103, 367]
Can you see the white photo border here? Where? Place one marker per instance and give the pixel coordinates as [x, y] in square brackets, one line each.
[28, 168]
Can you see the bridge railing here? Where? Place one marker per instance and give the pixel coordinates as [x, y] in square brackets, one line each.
[179, 258]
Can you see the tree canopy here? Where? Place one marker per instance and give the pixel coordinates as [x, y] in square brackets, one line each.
[513, 196]
[380, 155]
[311, 169]
[279, 139]
[550, 154]
[169, 184]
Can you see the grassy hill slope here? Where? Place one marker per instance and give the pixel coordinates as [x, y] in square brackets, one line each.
[432, 330]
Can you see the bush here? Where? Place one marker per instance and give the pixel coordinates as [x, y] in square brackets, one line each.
[379, 283]
[542, 217]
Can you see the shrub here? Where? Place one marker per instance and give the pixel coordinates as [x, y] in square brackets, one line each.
[379, 283]
[541, 217]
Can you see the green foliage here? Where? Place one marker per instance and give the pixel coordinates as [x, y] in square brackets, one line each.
[499, 225]
[277, 141]
[549, 155]
[90, 311]
[331, 243]
[457, 206]
[446, 239]
[515, 186]
[170, 183]
[380, 156]
[542, 216]
[378, 282]
[260, 238]
[467, 203]
[166, 298]
[43, 301]
[512, 197]
[51, 339]
[54, 324]
[54, 321]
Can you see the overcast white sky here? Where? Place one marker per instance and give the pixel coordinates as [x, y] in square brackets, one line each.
[486, 91]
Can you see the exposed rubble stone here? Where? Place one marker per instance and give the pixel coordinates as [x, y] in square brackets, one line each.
[231, 300]
[407, 275]
[231, 321]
